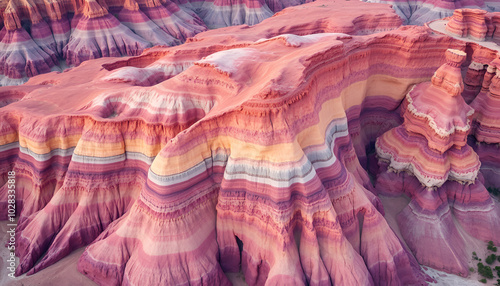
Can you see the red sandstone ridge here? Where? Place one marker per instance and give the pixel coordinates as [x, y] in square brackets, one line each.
[37, 34]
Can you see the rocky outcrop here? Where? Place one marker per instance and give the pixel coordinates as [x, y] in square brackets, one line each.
[209, 160]
[223, 13]
[40, 36]
[23, 55]
[428, 159]
[487, 126]
[477, 71]
[475, 23]
[242, 150]
[255, 183]
[96, 33]
[423, 11]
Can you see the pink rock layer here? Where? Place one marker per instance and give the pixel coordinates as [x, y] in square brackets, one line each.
[487, 105]
[486, 128]
[436, 110]
[94, 32]
[431, 144]
[409, 152]
[441, 180]
[99, 34]
[21, 56]
[199, 207]
[135, 19]
[474, 23]
[478, 75]
[309, 199]
[450, 117]
[468, 23]
[431, 223]
[247, 144]
[423, 11]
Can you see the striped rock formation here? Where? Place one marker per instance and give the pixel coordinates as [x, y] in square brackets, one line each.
[487, 124]
[428, 159]
[223, 13]
[254, 186]
[182, 174]
[22, 55]
[422, 11]
[38, 36]
[477, 72]
[476, 24]
[96, 33]
[468, 23]
[240, 150]
[173, 20]
[135, 19]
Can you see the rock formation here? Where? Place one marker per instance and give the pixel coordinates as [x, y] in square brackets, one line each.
[476, 72]
[182, 174]
[476, 24]
[223, 13]
[242, 150]
[423, 11]
[39, 36]
[36, 36]
[487, 126]
[428, 159]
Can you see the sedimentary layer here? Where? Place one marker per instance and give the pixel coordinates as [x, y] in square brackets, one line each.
[423, 11]
[240, 150]
[38, 36]
[428, 159]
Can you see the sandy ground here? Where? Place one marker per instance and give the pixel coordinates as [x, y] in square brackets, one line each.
[65, 273]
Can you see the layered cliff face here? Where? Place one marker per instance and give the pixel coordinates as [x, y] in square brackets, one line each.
[41, 36]
[420, 12]
[428, 159]
[243, 150]
[475, 24]
[480, 29]
[486, 124]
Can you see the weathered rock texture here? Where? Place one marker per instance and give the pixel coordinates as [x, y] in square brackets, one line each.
[428, 159]
[487, 125]
[240, 150]
[476, 24]
[37, 34]
[422, 11]
[478, 72]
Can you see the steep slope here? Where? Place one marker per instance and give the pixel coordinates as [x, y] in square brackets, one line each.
[240, 150]
[38, 36]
